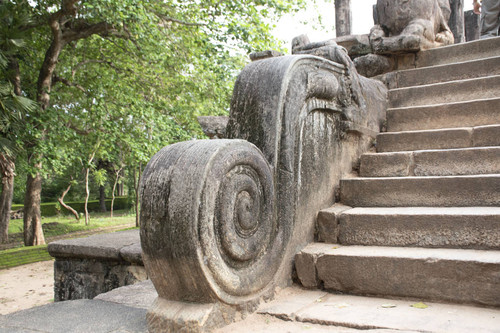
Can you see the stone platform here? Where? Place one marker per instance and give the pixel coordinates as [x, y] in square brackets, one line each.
[294, 310]
[87, 267]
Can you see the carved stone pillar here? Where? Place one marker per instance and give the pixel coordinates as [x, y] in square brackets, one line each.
[456, 21]
[343, 17]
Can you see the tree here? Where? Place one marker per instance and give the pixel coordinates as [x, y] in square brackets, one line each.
[13, 105]
[106, 66]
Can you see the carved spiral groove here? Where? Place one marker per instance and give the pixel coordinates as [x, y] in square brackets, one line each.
[216, 237]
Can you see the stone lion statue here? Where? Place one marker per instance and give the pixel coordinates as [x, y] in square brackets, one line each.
[410, 25]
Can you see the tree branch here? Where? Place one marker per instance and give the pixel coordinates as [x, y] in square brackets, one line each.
[66, 82]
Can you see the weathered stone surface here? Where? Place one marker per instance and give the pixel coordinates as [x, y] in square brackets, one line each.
[459, 53]
[373, 64]
[446, 162]
[222, 220]
[385, 164]
[140, 295]
[328, 223]
[429, 139]
[472, 29]
[446, 92]
[343, 17]
[486, 136]
[445, 191]
[132, 254]
[80, 316]
[410, 26]
[254, 56]
[103, 246]
[458, 275]
[86, 267]
[355, 45]
[457, 71]
[213, 126]
[452, 115]
[456, 21]
[371, 314]
[456, 227]
[86, 278]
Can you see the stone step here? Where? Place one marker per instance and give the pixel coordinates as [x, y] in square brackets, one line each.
[478, 49]
[433, 191]
[447, 162]
[460, 114]
[320, 311]
[451, 275]
[444, 227]
[446, 138]
[448, 72]
[447, 92]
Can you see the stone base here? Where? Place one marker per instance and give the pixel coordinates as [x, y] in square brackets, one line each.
[87, 278]
[171, 316]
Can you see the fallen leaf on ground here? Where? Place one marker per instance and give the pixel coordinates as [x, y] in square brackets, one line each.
[388, 305]
[420, 305]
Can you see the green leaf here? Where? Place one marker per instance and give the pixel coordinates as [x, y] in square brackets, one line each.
[419, 305]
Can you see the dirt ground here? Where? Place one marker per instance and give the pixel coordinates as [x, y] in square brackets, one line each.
[26, 286]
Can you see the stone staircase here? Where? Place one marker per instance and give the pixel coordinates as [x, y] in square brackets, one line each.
[422, 220]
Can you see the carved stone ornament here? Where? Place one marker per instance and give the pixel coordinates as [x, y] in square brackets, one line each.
[410, 26]
[222, 219]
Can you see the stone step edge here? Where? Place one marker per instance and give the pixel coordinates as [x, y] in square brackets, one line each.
[316, 250]
[416, 191]
[376, 270]
[366, 313]
[328, 222]
[402, 108]
[410, 162]
[397, 75]
[444, 138]
[463, 81]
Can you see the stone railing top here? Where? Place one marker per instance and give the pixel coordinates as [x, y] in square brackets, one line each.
[121, 246]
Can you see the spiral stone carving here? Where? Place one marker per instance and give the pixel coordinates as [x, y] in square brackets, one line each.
[209, 229]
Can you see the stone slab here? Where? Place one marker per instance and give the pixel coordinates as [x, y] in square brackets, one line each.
[445, 92]
[444, 227]
[80, 316]
[456, 71]
[140, 295]
[454, 275]
[444, 162]
[486, 136]
[459, 114]
[103, 246]
[446, 138]
[327, 223]
[483, 48]
[374, 313]
[432, 191]
[425, 139]
[132, 254]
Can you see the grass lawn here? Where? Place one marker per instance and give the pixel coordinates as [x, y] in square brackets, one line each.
[56, 226]
[61, 225]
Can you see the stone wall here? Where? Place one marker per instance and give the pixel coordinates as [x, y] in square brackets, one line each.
[87, 267]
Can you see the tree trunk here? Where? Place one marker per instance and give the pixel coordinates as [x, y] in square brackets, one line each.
[7, 168]
[33, 233]
[117, 177]
[102, 199]
[137, 181]
[87, 191]
[61, 201]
